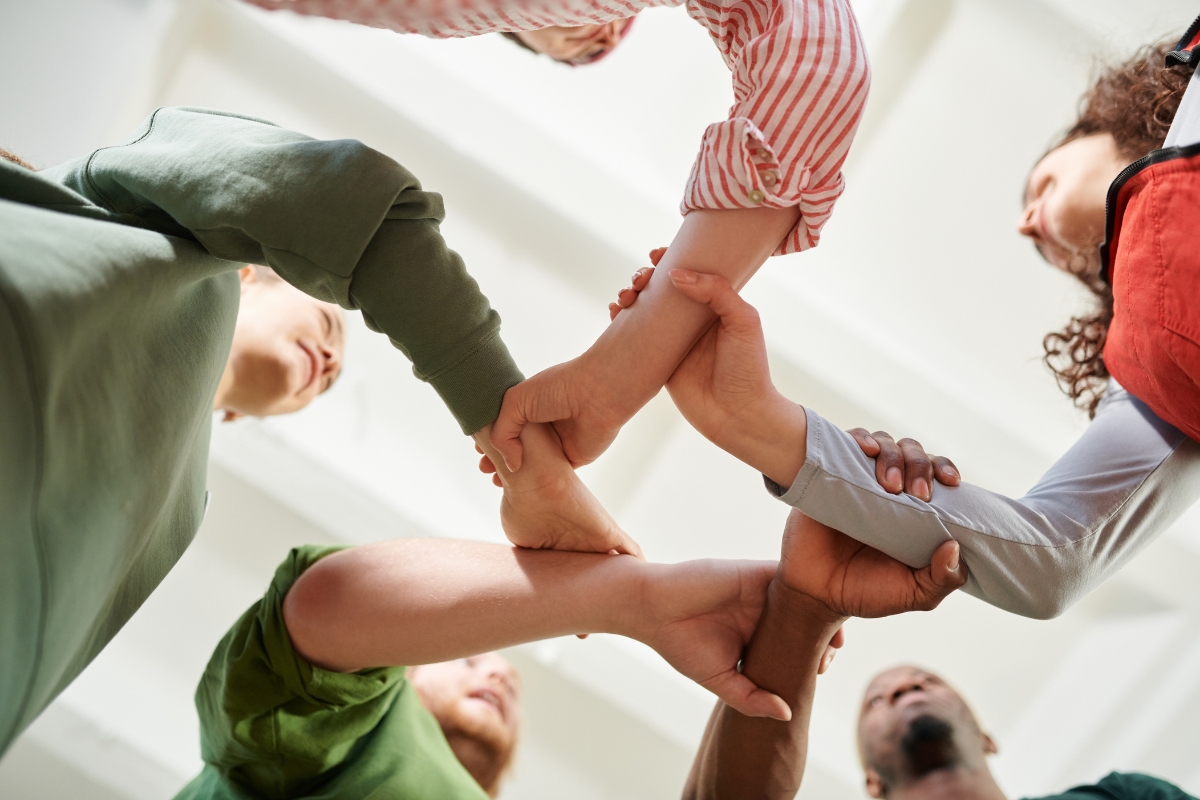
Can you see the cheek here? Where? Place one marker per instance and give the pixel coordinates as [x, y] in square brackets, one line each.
[267, 375]
[1075, 214]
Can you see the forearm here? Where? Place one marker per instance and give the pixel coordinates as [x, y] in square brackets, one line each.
[419, 601]
[756, 757]
[771, 437]
[1123, 483]
[636, 354]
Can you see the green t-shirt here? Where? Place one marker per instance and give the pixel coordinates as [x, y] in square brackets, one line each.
[1124, 786]
[118, 300]
[274, 726]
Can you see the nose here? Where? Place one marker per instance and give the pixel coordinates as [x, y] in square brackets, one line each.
[333, 360]
[502, 677]
[904, 688]
[1027, 222]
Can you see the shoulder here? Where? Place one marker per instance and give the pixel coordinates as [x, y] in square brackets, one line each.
[1138, 786]
[1124, 786]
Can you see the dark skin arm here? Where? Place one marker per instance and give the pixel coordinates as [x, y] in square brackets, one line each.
[823, 579]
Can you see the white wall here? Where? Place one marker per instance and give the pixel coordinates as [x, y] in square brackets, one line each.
[921, 311]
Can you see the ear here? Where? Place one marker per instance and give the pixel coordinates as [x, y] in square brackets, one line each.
[247, 276]
[989, 745]
[231, 416]
[875, 786]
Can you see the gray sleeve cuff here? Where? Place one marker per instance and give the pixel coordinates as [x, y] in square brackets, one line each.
[837, 487]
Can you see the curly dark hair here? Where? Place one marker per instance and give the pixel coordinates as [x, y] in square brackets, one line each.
[1134, 102]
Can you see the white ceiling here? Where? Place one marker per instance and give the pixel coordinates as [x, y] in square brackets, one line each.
[922, 311]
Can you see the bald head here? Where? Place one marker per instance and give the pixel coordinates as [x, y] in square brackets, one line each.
[913, 726]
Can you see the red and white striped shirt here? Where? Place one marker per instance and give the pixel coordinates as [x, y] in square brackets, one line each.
[800, 80]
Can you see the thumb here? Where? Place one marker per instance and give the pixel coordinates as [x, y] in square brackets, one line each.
[945, 574]
[715, 292]
[739, 693]
[506, 430]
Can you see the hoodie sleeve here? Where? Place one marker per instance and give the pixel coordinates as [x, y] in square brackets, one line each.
[338, 220]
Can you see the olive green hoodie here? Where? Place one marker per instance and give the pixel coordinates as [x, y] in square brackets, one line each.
[118, 299]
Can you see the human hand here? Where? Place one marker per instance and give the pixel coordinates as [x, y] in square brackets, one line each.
[723, 385]
[570, 397]
[724, 380]
[546, 505]
[904, 466]
[565, 396]
[851, 579]
[700, 616]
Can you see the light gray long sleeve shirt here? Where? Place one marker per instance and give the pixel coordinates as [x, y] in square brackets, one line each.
[1127, 479]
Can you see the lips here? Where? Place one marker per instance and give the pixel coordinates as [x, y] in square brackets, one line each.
[491, 698]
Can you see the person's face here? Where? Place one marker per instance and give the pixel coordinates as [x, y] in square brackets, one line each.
[580, 44]
[1065, 197]
[478, 698]
[911, 724]
[287, 349]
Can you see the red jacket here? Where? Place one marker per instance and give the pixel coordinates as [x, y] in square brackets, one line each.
[1152, 260]
[1153, 345]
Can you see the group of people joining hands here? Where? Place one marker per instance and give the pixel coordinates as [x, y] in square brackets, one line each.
[127, 320]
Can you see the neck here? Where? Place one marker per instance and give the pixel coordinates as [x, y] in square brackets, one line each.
[951, 784]
[479, 760]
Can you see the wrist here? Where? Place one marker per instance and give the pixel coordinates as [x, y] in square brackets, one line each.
[613, 395]
[805, 611]
[770, 436]
[633, 611]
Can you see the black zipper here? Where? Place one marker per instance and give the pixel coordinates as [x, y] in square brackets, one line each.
[1181, 55]
[1114, 189]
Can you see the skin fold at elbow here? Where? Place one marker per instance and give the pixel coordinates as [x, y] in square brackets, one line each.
[312, 610]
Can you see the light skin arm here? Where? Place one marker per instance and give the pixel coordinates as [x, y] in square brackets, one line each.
[419, 601]
[823, 579]
[724, 389]
[589, 398]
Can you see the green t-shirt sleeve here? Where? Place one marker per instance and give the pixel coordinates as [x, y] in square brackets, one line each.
[271, 722]
[274, 726]
[1125, 786]
[338, 220]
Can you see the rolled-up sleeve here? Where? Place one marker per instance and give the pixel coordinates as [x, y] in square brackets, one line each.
[338, 220]
[800, 81]
[1127, 479]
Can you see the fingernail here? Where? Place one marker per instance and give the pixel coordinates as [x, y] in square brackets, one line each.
[921, 488]
[953, 566]
[951, 472]
[893, 476]
[683, 276]
[871, 441]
